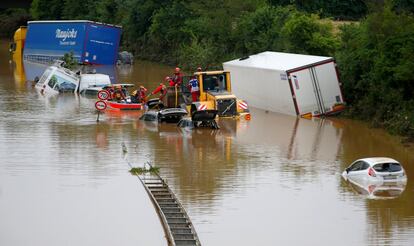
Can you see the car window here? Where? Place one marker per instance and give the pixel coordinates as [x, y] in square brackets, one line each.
[44, 76]
[52, 81]
[387, 167]
[364, 166]
[359, 166]
[356, 166]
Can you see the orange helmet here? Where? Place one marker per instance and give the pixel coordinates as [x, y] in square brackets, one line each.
[177, 70]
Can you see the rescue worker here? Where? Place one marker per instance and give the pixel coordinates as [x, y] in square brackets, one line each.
[194, 88]
[134, 97]
[142, 93]
[169, 81]
[162, 89]
[138, 96]
[178, 77]
[118, 94]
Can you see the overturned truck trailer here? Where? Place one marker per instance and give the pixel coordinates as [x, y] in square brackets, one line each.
[286, 83]
[90, 42]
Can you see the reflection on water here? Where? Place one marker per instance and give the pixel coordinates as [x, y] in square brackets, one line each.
[258, 182]
[379, 191]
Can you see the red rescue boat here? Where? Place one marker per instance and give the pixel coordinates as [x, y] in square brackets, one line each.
[124, 105]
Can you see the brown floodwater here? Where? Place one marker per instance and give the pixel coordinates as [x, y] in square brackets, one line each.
[274, 180]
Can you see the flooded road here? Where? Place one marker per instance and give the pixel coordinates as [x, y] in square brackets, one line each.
[275, 180]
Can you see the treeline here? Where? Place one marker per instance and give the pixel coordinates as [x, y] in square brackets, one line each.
[11, 19]
[376, 59]
[200, 33]
[337, 9]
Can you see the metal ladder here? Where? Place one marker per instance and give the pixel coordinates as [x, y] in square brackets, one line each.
[177, 225]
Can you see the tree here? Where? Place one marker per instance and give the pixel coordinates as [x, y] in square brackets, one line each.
[376, 61]
[348, 10]
[307, 34]
[46, 9]
[80, 10]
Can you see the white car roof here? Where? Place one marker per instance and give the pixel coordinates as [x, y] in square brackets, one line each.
[375, 160]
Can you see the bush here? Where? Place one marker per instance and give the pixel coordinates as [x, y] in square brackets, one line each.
[376, 61]
[11, 19]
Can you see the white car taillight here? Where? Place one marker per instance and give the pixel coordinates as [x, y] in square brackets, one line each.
[371, 172]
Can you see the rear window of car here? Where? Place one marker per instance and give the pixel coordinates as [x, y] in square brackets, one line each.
[387, 167]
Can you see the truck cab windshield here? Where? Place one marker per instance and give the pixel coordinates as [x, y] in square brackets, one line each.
[214, 82]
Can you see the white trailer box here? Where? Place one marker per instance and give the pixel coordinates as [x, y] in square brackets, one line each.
[293, 84]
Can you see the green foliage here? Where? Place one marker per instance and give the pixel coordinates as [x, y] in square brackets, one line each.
[140, 170]
[261, 30]
[196, 53]
[166, 32]
[376, 61]
[46, 9]
[284, 29]
[11, 19]
[80, 10]
[70, 61]
[338, 9]
[308, 35]
[403, 5]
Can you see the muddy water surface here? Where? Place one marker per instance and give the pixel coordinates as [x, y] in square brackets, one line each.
[274, 180]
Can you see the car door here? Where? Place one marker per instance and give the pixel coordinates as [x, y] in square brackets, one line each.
[361, 174]
[355, 170]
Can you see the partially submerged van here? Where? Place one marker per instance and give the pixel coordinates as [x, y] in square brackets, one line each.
[57, 79]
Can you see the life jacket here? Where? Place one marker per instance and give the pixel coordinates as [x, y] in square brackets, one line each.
[177, 78]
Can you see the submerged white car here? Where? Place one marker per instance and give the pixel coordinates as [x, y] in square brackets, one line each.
[376, 170]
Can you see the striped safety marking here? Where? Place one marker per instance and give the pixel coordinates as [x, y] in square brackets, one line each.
[202, 107]
[243, 105]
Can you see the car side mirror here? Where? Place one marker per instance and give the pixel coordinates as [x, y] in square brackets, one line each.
[347, 170]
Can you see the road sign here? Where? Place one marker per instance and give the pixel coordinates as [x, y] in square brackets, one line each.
[100, 105]
[103, 95]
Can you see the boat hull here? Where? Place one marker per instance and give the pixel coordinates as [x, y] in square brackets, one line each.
[124, 106]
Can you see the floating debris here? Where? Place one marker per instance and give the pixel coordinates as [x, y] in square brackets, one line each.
[141, 170]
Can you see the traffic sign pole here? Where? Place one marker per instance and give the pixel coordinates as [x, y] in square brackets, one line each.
[100, 106]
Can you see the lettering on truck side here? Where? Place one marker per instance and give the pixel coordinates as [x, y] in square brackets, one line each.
[66, 34]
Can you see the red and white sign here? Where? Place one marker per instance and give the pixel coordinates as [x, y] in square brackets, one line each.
[243, 105]
[202, 107]
[103, 95]
[100, 105]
